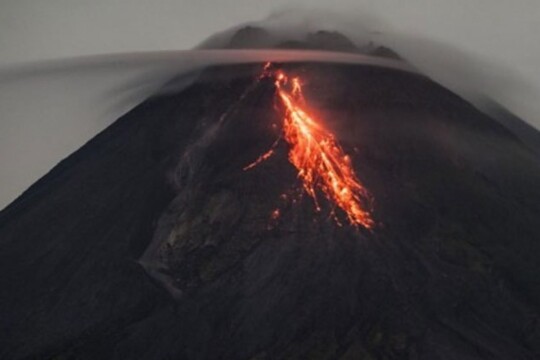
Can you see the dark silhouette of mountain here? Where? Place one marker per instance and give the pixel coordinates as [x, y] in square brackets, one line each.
[330, 40]
[321, 40]
[251, 37]
[526, 133]
[254, 37]
[152, 242]
[380, 51]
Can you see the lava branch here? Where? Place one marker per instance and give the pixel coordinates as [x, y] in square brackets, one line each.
[264, 156]
[321, 162]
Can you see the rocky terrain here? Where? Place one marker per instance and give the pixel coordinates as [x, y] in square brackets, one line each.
[152, 242]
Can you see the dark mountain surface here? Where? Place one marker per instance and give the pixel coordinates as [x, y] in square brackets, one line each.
[253, 37]
[322, 40]
[526, 132]
[152, 242]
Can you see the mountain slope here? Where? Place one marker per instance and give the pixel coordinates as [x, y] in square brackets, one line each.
[152, 241]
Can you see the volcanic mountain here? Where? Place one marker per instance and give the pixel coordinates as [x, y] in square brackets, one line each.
[158, 240]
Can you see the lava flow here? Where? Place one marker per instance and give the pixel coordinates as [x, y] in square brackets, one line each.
[321, 162]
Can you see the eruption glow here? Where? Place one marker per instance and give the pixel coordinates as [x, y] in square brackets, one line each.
[321, 162]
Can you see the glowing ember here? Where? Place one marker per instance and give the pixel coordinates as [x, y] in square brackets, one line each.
[321, 163]
[275, 214]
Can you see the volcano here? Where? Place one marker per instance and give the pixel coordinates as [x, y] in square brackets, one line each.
[158, 240]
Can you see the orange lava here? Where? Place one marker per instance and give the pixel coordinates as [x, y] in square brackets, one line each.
[260, 159]
[322, 164]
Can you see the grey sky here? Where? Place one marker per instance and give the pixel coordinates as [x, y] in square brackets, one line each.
[489, 45]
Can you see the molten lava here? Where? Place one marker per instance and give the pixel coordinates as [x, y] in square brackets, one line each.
[321, 162]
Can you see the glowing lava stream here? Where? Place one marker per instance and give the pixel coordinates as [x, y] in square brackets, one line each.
[321, 162]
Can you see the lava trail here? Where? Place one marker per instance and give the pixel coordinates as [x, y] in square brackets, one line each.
[322, 165]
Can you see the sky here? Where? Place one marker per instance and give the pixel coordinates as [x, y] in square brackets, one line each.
[491, 46]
